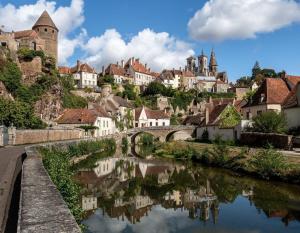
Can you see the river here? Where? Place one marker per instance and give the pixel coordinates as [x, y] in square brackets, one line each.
[126, 194]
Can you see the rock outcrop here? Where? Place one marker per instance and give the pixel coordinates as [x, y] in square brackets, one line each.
[49, 107]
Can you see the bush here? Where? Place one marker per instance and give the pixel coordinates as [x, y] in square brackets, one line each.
[146, 139]
[125, 145]
[28, 54]
[269, 163]
[73, 101]
[270, 122]
[20, 114]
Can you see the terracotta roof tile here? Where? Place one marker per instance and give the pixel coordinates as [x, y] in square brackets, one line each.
[272, 91]
[83, 68]
[81, 116]
[64, 70]
[114, 69]
[151, 114]
[25, 34]
[291, 100]
[293, 79]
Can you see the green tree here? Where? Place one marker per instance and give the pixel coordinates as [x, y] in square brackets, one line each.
[270, 122]
[244, 81]
[107, 79]
[256, 70]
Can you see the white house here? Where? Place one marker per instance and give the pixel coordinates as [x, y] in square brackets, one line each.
[74, 118]
[291, 107]
[171, 78]
[145, 117]
[84, 75]
[141, 74]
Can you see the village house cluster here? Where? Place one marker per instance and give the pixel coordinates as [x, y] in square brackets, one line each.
[109, 113]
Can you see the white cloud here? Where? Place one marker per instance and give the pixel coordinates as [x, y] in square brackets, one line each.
[158, 50]
[66, 18]
[240, 19]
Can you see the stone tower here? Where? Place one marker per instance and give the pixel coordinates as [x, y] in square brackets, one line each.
[203, 65]
[191, 64]
[213, 66]
[47, 31]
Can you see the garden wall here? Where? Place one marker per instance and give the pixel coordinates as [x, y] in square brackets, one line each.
[20, 137]
[280, 141]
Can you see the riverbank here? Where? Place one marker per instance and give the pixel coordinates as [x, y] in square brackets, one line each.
[266, 164]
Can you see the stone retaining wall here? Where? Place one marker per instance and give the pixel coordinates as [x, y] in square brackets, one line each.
[21, 137]
[255, 139]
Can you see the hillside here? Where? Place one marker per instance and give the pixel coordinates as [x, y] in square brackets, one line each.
[32, 94]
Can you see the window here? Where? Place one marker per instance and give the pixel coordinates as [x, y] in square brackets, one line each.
[164, 123]
[150, 123]
[46, 29]
[156, 123]
[136, 124]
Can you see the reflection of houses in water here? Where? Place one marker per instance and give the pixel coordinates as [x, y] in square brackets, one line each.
[88, 202]
[141, 201]
[286, 215]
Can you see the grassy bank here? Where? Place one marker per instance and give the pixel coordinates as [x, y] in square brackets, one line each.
[61, 170]
[263, 163]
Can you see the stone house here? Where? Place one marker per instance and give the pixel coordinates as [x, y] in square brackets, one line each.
[220, 120]
[74, 118]
[291, 107]
[240, 92]
[140, 73]
[188, 80]
[268, 97]
[145, 117]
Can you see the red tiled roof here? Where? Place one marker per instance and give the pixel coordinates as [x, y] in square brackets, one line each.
[25, 33]
[151, 114]
[114, 69]
[45, 20]
[215, 113]
[81, 116]
[138, 67]
[291, 100]
[64, 70]
[275, 91]
[83, 68]
[293, 79]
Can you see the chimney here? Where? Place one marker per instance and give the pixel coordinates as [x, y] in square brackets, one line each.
[206, 115]
[146, 65]
[131, 61]
[78, 64]
[180, 68]
[103, 71]
[117, 63]
[122, 63]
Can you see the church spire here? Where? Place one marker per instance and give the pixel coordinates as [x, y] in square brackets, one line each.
[213, 66]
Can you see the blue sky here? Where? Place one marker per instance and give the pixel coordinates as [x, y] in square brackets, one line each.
[268, 31]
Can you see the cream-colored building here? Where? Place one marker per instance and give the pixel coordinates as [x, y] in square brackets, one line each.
[145, 117]
[74, 118]
[268, 97]
[291, 108]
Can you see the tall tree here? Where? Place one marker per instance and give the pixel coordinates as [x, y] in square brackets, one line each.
[256, 69]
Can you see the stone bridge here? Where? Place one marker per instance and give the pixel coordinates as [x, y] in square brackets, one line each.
[163, 133]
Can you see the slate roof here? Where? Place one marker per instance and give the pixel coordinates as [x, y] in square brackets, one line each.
[45, 20]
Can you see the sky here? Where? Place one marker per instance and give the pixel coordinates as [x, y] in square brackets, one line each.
[163, 33]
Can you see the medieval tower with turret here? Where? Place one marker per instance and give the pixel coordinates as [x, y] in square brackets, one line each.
[46, 30]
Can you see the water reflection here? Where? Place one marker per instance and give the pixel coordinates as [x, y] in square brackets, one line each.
[128, 194]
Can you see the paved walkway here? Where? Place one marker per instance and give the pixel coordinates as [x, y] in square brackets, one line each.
[10, 166]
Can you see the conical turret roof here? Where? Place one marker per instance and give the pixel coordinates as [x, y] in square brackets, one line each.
[45, 20]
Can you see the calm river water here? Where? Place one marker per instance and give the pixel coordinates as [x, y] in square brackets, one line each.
[136, 195]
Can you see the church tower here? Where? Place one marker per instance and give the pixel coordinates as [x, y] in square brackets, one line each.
[191, 64]
[213, 66]
[203, 65]
[46, 30]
